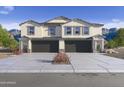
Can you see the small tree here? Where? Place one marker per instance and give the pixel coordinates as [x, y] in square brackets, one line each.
[7, 41]
[120, 37]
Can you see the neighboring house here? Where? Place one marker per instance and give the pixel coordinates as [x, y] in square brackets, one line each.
[15, 33]
[105, 31]
[109, 34]
[113, 30]
[61, 34]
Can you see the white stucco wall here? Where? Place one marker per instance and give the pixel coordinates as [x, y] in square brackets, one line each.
[45, 32]
[38, 30]
[61, 44]
[42, 31]
[93, 30]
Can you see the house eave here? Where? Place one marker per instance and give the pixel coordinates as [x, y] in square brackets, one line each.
[82, 22]
[29, 21]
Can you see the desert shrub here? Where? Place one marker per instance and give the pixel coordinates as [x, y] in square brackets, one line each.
[61, 58]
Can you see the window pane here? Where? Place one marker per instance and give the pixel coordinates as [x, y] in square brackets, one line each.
[30, 30]
[52, 30]
[68, 30]
[76, 30]
[86, 30]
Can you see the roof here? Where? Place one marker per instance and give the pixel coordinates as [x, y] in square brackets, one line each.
[54, 38]
[32, 21]
[83, 21]
[64, 18]
[98, 36]
[59, 17]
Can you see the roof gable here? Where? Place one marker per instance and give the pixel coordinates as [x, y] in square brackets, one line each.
[60, 19]
[29, 21]
[73, 23]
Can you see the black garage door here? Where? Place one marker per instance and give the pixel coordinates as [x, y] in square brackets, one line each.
[45, 46]
[78, 46]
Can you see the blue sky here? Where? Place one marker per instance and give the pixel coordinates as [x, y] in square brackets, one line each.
[11, 16]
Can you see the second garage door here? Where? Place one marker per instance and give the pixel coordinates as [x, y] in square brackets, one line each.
[78, 46]
[45, 46]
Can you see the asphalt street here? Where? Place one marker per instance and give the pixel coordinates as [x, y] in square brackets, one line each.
[61, 80]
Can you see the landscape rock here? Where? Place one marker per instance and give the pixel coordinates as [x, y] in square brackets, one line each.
[110, 51]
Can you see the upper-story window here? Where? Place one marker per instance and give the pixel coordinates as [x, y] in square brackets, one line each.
[76, 30]
[86, 30]
[30, 30]
[52, 30]
[68, 30]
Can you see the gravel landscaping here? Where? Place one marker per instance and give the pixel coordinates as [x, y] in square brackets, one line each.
[120, 53]
[5, 55]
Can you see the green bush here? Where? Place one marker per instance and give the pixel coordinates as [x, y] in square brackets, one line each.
[13, 45]
[111, 44]
[98, 48]
[118, 40]
[6, 40]
[120, 37]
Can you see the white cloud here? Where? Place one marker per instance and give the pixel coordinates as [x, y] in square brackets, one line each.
[10, 8]
[115, 20]
[6, 9]
[4, 12]
[9, 26]
[115, 23]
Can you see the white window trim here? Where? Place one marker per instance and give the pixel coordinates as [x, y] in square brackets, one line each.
[66, 30]
[74, 31]
[83, 30]
[28, 31]
[49, 34]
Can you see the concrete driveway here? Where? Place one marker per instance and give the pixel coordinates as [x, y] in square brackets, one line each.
[80, 63]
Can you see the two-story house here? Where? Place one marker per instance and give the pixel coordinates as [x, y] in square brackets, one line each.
[61, 34]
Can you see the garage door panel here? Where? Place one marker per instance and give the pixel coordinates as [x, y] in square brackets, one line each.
[78, 46]
[70, 48]
[44, 46]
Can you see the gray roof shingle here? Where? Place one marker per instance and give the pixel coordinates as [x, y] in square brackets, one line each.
[64, 18]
